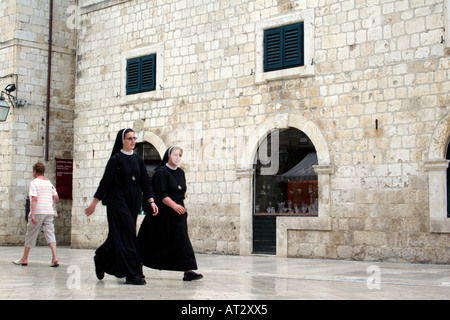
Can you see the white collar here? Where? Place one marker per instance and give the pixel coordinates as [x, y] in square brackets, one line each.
[126, 152]
[170, 167]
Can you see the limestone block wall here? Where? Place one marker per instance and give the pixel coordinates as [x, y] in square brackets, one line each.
[24, 38]
[374, 93]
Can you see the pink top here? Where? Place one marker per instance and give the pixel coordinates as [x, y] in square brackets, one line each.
[44, 191]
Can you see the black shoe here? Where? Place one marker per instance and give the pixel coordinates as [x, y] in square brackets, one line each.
[141, 274]
[136, 280]
[98, 269]
[191, 275]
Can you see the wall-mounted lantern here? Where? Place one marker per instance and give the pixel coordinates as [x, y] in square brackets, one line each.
[15, 103]
[4, 109]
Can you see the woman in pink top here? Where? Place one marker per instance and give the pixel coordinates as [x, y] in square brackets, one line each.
[42, 195]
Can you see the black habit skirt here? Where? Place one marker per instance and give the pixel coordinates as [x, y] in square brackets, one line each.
[119, 254]
[164, 241]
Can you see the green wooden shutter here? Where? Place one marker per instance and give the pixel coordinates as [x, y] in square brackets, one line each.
[133, 66]
[273, 49]
[293, 45]
[148, 73]
[141, 74]
[283, 47]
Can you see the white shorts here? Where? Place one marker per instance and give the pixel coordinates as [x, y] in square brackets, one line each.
[46, 222]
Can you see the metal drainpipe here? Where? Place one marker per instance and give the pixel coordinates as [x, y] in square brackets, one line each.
[49, 73]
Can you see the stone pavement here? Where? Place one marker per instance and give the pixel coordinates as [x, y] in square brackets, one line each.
[225, 278]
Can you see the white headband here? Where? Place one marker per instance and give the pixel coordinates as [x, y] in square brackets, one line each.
[123, 135]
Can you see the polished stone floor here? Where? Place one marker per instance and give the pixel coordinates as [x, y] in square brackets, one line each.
[225, 278]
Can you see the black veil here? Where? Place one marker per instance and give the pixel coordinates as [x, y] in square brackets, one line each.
[118, 144]
[165, 158]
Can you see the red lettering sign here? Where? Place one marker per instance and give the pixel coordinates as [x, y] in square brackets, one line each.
[64, 172]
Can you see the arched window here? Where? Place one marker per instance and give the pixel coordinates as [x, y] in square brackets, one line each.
[288, 188]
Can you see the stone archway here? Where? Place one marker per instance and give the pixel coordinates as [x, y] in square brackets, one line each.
[245, 175]
[159, 145]
[437, 166]
[155, 141]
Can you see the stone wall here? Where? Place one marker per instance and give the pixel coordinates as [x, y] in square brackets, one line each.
[24, 38]
[373, 95]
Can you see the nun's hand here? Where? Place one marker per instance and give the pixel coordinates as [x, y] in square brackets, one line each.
[180, 209]
[89, 210]
[155, 208]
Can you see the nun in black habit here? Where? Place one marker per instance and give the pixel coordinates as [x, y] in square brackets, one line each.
[124, 181]
[163, 238]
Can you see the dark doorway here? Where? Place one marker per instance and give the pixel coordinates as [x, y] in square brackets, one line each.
[150, 156]
[448, 182]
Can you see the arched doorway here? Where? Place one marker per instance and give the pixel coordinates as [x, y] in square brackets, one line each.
[245, 175]
[448, 181]
[437, 166]
[150, 156]
[289, 189]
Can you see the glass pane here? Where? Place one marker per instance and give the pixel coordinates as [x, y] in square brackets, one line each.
[293, 189]
[4, 110]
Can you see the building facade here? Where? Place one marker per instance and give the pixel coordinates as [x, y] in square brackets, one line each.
[42, 129]
[310, 128]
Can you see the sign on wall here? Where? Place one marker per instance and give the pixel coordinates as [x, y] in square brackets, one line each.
[64, 171]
